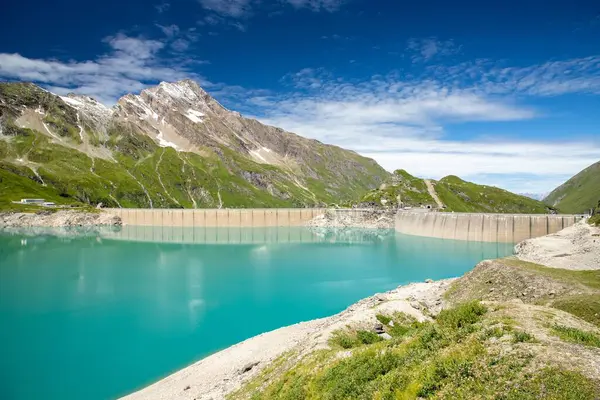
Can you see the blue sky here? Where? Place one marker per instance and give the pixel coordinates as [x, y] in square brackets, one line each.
[507, 95]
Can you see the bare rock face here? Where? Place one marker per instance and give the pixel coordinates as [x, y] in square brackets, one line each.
[183, 116]
[57, 219]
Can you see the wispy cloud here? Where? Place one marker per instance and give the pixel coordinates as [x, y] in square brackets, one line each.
[403, 123]
[130, 65]
[161, 8]
[317, 5]
[228, 8]
[243, 9]
[170, 31]
[425, 49]
[179, 40]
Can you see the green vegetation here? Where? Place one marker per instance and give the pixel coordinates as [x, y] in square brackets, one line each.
[586, 307]
[575, 292]
[462, 196]
[595, 219]
[522, 337]
[403, 187]
[453, 357]
[589, 278]
[457, 195]
[580, 193]
[575, 335]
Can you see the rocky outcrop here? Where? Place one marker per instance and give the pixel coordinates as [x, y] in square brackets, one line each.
[57, 219]
[354, 218]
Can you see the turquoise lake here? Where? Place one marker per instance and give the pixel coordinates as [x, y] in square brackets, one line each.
[99, 314]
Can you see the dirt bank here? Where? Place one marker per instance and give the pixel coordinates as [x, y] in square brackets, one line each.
[56, 219]
[576, 247]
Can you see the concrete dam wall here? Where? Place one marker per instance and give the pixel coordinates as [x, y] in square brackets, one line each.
[216, 218]
[503, 228]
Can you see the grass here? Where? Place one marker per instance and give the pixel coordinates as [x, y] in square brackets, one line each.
[586, 307]
[451, 357]
[595, 219]
[575, 335]
[348, 339]
[411, 190]
[69, 179]
[522, 337]
[589, 278]
[384, 319]
[462, 196]
[456, 194]
[580, 193]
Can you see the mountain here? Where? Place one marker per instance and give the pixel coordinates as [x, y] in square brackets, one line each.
[535, 196]
[451, 192]
[579, 194]
[172, 145]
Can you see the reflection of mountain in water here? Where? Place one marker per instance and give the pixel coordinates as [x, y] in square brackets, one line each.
[234, 235]
[63, 231]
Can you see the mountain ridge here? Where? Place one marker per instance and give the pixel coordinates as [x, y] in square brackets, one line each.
[171, 145]
[456, 194]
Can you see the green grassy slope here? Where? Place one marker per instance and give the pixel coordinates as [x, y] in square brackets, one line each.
[456, 194]
[402, 186]
[578, 194]
[462, 196]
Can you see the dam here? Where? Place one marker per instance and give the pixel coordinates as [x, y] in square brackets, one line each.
[477, 227]
[216, 218]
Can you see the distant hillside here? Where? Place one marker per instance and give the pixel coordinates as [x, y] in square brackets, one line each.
[578, 194]
[455, 194]
[462, 196]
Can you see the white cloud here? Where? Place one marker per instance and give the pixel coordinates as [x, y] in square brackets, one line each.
[130, 65]
[578, 75]
[161, 8]
[228, 8]
[424, 49]
[317, 5]
[170, 31]
[403, 123]
[238, 9]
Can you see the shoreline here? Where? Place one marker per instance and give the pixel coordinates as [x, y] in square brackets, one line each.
[223, 372]
[57, 219]
[226, 371]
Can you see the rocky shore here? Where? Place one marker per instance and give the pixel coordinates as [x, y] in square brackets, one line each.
[57, 219]
[576, 247]
[342, 218]
[224, 372]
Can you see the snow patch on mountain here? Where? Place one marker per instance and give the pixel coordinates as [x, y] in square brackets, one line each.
[194, 116]
[162, 142]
